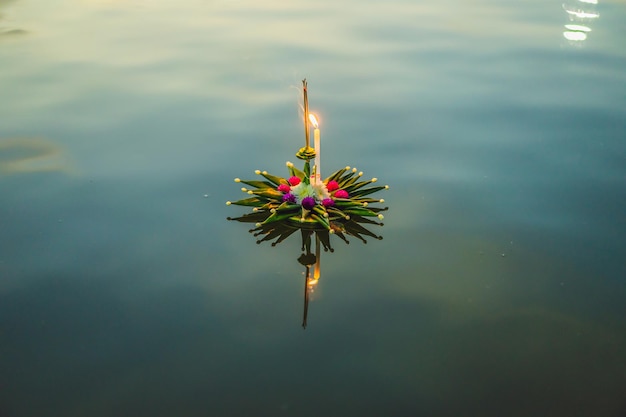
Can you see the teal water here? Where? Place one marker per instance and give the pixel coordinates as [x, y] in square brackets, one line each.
[498, 289]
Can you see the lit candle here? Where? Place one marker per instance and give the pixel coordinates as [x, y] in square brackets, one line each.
[316, 141]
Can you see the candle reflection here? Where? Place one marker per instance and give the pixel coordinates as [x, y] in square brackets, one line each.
[310, 280]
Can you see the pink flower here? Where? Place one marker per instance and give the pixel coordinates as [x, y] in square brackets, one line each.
[332, 186]
[341, 194]
[328, 202]
[294, 181]
[284, 188]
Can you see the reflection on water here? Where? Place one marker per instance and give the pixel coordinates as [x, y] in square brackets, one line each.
[5, 30]
[23, 155]
[581, 14]
[310, 261]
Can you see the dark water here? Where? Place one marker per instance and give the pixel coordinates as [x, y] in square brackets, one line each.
[498, 289]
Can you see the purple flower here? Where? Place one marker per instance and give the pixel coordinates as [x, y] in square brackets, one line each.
[308, 203]
[328, 202]
[290, 198]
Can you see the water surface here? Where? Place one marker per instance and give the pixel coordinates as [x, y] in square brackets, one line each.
[498, 288]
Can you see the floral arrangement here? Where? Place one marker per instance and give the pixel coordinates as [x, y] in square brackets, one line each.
[338, 204]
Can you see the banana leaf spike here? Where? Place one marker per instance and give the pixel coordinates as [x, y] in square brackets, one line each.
[346, 180]
[378, 209]
[251, 217]
[252, 202]
[268, 193]
[271, 234]
[325, 239]
[336, 175]
[295, 172]
[276, 181]
[352, 188]
[321, 220]
[368, 200]
[361, 219]
[257, 184]
[287, 232]
[342, 237]
[306, 240]
[357, 229]
[367, 191]
[361, 212]
[358, 236]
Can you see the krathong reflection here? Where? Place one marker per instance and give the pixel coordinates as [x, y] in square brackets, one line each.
[318, 208]
[309, 260]
[580, 14]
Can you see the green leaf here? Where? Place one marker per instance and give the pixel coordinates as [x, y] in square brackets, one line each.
[268, 193]
[255, 217]
[278, 216]
[353, 187]
[367, 191]
[274, 179]
[307, 172]
[258, 184]
[361, 212]
[342, 203]
[295, 172]
[356, 229]
[253, 202]
[323, 221]
[334, 176]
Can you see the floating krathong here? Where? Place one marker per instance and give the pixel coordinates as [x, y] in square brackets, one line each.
[340, 204]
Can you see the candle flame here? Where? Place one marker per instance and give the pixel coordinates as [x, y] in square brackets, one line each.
[313, 120]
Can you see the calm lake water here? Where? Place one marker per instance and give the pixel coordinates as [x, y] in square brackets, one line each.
[499, 288]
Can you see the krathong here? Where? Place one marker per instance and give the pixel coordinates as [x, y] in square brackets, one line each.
[340, 204]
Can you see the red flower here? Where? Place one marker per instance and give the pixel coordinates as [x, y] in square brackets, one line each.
[332, 186]
[294, 181]
[341, 194]
[284, 188]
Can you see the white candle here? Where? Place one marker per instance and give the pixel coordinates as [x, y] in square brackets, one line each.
[316, 144]
[316, 138]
